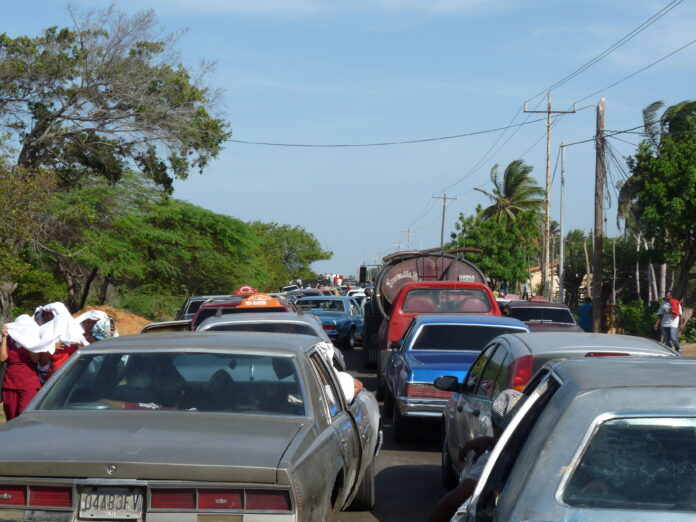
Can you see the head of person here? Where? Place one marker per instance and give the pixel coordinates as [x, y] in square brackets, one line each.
[504, 408]
[668, 296]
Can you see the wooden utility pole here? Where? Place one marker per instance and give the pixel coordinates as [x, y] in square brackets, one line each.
[409, 233]
[444, 199]
[598, 233]
[561, 260]
[547, 225]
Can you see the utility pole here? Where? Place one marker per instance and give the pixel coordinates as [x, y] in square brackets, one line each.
[561, 253]
[444, 199]
[598, 236]
[547, 225]
[409, 233]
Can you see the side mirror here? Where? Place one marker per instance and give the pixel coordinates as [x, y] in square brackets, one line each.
[447, 383]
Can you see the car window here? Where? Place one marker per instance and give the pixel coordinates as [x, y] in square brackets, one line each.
[446, 300]
[476, 370]
[194, 306]
[354, 308]
[213, 382]
[637, 463]
[324, 305]
[538, 313]
[287, 328]
[489, 385]
[457, 336]
[328, 386]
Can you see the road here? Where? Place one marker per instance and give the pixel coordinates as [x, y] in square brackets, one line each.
[408, 475]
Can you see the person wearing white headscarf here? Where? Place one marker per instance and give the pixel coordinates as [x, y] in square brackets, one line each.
[97, 326]
[22, 381]
[350, 386]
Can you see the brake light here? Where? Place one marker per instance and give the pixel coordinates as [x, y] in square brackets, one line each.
[267, 500]
[173, 498]
[41, 496]
[328, 326]
[220, 499]
[427, 391]
[13, 495]
[520, 372]
[605, 354]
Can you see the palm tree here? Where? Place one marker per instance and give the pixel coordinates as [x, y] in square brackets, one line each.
[516, 192]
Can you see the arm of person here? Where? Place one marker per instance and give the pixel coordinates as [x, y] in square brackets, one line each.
[448, 505]
[477, 445]
[3, 343]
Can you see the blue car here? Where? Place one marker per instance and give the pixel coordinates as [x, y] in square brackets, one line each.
[340, 317]
[433, 346]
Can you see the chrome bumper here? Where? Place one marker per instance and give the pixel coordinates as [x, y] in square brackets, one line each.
[417, 407]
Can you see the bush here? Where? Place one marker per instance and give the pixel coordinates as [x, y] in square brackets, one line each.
[154, 306]
[688, 335]
[638, 319]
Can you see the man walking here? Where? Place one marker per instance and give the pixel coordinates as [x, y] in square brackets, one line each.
[670, 317]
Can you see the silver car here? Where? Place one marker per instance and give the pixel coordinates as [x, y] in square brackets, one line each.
[509, 361]
[188, 427]
[610, 439]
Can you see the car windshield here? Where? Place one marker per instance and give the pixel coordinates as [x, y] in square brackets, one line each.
[457, 336]
[539, 313]
[209, 382]
[637, 463]
[286, 328]
[325, 305]
[446, 300]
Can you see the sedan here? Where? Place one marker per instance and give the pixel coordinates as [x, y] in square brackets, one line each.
[340, 316]
[190, 427]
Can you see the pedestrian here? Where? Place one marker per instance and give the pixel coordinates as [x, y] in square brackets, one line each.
[65, 332]
[525, 291]
[670, 317]
[504, 289]
[502, 411]
[585, 314]
[22, 381]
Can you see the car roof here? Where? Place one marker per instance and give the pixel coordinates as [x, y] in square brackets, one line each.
[186, 341]
[488, 320]
[278, 317]
[536, 304]
[618, 372]
[324, 297]
[213, 303]
[545, 342]
[443, 284]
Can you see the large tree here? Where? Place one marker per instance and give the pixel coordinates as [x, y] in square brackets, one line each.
[514, 193]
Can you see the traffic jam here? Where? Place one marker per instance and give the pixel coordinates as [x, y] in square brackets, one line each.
[255, 406]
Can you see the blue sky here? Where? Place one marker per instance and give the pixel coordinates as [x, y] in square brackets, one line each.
[360, 71]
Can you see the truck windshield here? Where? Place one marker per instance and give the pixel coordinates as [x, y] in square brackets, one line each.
[446, 301]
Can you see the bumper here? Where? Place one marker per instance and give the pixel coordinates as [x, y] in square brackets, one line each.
[21, 515]
[416, 407]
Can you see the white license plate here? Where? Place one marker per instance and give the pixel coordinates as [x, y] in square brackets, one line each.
[111, 503]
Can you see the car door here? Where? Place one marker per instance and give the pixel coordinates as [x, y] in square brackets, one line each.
[342, 422]
[356, 316]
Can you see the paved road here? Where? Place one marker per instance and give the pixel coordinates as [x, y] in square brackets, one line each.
[408, 475]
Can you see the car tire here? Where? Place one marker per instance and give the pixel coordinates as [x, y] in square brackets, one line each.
[349, 340]
[366, 495]
[449, 477]
[388, 404]
[400, 426]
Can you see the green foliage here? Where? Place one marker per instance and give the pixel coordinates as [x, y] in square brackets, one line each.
[638, 319]
[507, 248]
[688, 334]
[147, 301]
[515, 193]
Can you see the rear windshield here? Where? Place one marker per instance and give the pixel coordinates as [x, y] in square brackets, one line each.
[638, 463]
[534, 313]
[446, 301]
[325, 305]
[457, 336]
[211, 382]
[194, 306]
[287, 328]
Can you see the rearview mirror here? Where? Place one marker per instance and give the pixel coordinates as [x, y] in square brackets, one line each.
[447, 383]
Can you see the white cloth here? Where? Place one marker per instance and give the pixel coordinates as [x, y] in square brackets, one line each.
[94, 315]
[669, 320]
[27, 333]
[344, 379]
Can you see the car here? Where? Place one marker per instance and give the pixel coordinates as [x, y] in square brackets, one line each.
[279, 322]
[191, 427]
[509, 361]
[341, 318]
[432, 346]
[597, 439]
[192, 304]
[251, 304]
[543, 316]
[181, 325]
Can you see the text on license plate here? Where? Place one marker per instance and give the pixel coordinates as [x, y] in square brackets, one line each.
[111, 503]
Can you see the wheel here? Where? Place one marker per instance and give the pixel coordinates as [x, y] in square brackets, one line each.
[449, 477]
[364, 499]
[388, 404]
[400, 426]
[349, 341]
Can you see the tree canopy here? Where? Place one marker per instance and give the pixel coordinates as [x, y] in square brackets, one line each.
[514, 193]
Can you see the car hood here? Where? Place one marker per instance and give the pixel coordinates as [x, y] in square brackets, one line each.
[146, 445]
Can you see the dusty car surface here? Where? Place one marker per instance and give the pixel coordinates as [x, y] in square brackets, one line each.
[543, 316]
[190, 427]
[609, 439]
[509, 361]
[192, 304]
[180, 325]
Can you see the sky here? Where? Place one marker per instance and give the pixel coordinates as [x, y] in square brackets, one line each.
[328, 72]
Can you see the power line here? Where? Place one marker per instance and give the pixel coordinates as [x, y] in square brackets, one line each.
[383, 143]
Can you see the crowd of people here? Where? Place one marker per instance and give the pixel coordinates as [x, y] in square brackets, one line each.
[32, 348]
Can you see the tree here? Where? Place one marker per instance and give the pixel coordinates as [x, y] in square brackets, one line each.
[288, 252]
[515, 193]
[105, 95]
[507, 248]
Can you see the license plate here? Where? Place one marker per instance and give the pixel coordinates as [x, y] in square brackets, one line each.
[111, 503]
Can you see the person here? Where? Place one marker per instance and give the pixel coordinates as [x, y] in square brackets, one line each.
[65, 332]
[349, 385]
[525, 291]
[502, 411]
[22, 381]
[504, 289]
[585, 314]
[670, 317]
[97, 326]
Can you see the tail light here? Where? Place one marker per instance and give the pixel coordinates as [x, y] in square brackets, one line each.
[426, 391]
[328, 326]
[220, 499]
[41, 496]
[267, 500]
[520, 372]
[605, 354]
[13, 495]
[173, 499]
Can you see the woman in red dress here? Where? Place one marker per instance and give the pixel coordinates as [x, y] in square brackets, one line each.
[21, 377]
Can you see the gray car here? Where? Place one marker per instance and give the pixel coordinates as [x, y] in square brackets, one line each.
[509, 361]
[188, 427]
[611, 439]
